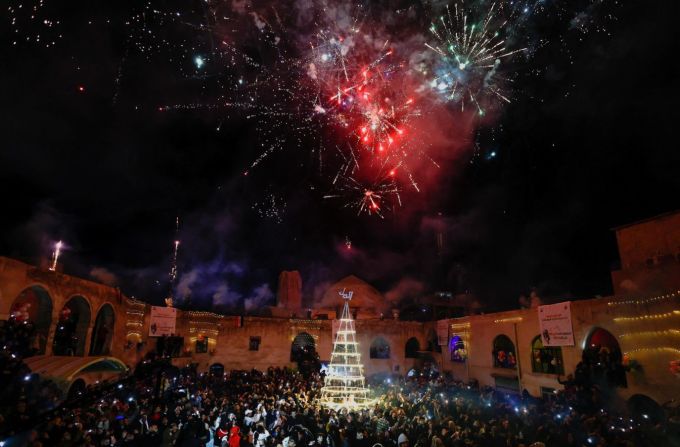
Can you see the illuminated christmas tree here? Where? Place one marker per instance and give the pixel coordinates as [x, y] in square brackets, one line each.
[344, 385]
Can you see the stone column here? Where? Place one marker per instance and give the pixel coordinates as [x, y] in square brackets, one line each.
[53, 328]
[88, 339]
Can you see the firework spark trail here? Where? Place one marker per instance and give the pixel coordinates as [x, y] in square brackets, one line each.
[372, 198]
[470, 56]
[55, 256]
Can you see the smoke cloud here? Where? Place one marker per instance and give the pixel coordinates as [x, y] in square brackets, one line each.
[104, 276]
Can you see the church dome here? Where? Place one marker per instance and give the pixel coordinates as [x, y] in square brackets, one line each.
[368, 302]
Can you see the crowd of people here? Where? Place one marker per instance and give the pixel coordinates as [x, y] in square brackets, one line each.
[164, 406]
[22, 394]
[602, 365]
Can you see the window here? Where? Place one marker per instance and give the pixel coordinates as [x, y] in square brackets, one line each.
[254, 344]
[201, 344]
[380, 349]
[457, 349]
[504, 353]
[546, 359]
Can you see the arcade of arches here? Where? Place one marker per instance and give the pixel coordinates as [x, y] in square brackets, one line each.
[69, 329]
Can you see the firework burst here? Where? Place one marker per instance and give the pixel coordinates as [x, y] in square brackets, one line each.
[371, 198]
[470, 55]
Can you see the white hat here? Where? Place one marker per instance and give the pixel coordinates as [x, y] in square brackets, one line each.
[402, 439]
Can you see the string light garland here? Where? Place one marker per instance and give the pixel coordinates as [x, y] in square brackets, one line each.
[659, 349]
[667, 332]
[458, 326]
[509, 320]
[660, 316]
[200, 331]
[645, 300]
[134, 319]
[198, 313]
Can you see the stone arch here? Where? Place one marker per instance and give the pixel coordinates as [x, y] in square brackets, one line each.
[216, 369]
[644, 407]
[34, 306]
[412, 347]
[71, 333]
[102, 332]
[303, 345]
[76, 389]
[380, 349]
[601, 337]
[603, 358]
[504, 353]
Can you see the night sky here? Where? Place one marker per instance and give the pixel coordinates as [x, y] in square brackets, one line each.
[112, 132]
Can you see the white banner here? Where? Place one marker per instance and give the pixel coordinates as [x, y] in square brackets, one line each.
[163, 321]
[555, 323]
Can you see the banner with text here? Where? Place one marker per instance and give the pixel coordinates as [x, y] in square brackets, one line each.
[163, 320]
[555, 323]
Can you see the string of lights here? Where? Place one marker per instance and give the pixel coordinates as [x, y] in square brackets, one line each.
[645, 300]
[658, 316]
[662, 333]
[659, 349]
[198, 313]
[509, 320]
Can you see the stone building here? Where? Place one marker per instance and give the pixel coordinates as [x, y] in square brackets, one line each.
[646, 331]
[91, 330]
[649, 251]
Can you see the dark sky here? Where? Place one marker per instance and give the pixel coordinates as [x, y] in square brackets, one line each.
[528, 200]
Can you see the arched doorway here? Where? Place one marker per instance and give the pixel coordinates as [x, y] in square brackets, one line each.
[74, 319]
[76, 390]
[644, 407]
[33, 310]
[412, 348]
[303, 351]
[603, 359]
[102, 333]
[216, 369]
[303, 345]
[379, 349]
